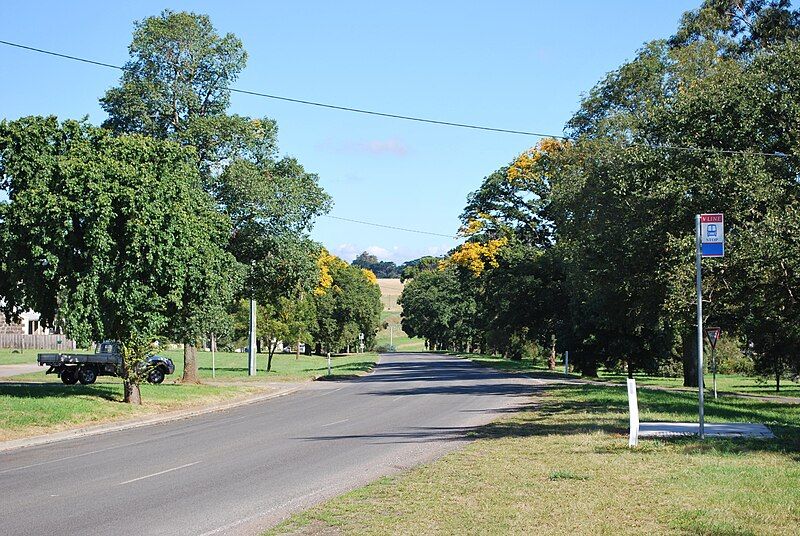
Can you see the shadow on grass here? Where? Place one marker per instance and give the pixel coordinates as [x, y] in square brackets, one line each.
[587, 409]
[110, 392]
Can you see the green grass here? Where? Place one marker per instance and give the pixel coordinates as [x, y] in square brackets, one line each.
[731, 383]
[726, 383]
[28, 409]
[36, 403]
[285, 367]
[10, 356]
[402, 342]
[232, 366]
[562, 466]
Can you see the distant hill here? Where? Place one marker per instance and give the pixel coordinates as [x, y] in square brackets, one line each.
[390, 292]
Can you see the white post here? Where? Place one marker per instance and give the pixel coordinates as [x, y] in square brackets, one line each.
[213, 356]
[633, 410]
[391, 335]
[566, 362]
[251, 351]
[699, 268]
[329, 363]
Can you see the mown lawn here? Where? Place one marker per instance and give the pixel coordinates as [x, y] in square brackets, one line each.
[726, 383]
[28, 408]
[562, 466]
[36, 403]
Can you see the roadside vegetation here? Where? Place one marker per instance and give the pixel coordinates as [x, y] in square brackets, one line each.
[562, 466]
[164, 221]
[586, 243]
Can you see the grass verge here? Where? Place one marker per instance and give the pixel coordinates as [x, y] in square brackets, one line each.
[35, 403]
[29, 409]
[562, 466]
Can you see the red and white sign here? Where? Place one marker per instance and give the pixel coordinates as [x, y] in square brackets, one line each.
[712, 235]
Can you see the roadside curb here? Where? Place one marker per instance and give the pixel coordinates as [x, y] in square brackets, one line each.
[138, 423]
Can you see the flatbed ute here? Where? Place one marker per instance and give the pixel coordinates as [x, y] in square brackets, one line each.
[106, 361]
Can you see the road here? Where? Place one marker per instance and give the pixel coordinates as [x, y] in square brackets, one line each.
[245, 469]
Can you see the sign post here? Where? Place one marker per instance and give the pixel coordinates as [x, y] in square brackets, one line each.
[710, 242]
[713, 336]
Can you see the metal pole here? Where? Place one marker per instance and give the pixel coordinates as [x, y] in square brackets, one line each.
[329, 363]
[251, 350]
[699, 267]
[566, 362]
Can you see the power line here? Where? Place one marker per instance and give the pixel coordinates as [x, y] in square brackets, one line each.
[307, 102]
[388, 226]
[667, 147]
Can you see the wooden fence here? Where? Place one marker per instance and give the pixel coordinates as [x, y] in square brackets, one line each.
[41, 342]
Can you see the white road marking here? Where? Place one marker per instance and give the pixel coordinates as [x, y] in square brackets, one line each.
[158, 473]
[248, 519]
[332, 423]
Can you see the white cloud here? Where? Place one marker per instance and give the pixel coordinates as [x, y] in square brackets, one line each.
[391, 147]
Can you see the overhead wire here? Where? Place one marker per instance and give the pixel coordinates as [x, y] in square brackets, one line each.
[669, 147]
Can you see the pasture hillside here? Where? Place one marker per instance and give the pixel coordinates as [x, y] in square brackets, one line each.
[390, 292]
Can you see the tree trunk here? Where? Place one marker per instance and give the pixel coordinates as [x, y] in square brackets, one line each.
[689, 358]
[271, 352]
[132, 393]
[777, 382]
[190, 374]
[551, 362]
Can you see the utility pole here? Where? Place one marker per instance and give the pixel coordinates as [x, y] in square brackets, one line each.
[251, 351]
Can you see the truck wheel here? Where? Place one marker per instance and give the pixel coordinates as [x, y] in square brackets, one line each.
[87, 375]
[156, 375]
[68, 376]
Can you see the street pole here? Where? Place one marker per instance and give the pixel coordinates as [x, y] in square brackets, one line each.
[391, 335]
[699, 268]
[251, 351]
[566, 361]
[329, 363]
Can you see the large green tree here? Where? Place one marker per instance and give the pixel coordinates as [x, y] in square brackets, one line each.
[107, 237]
[177, 86]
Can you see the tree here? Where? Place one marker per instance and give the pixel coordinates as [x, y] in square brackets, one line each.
[438, 307]
[107, 237]
[381, 269]
[347, 302]
[176, 86]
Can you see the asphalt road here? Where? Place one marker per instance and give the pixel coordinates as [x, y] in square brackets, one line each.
[245, 469]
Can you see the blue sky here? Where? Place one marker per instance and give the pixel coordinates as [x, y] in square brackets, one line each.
[517, 65]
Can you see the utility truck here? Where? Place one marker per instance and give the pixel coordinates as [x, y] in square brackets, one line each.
[105, 361]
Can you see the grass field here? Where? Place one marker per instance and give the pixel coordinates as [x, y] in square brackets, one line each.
[233, 366]
[390, 292]
[36, 403]
[726, 383]
[562, 466]
[28, 409]
[9, 356]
